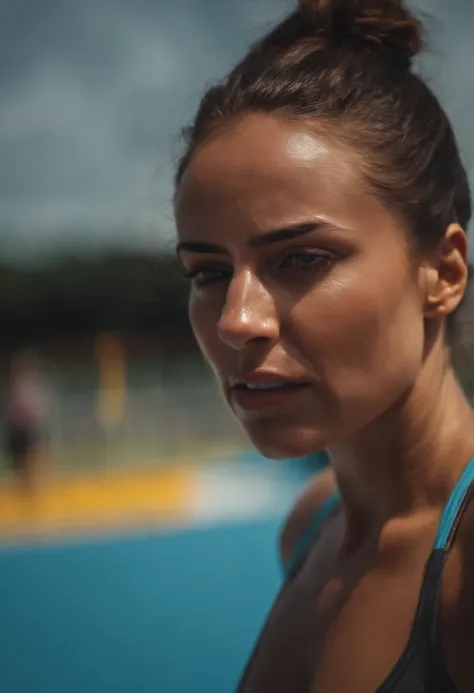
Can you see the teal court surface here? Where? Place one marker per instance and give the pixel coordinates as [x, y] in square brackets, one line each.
[167, 610]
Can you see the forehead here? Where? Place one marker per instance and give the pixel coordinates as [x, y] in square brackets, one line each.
[265, 171]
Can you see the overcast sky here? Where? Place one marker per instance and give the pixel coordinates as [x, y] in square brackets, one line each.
[93, 94]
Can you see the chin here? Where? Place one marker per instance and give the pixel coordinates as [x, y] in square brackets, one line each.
[278, 442]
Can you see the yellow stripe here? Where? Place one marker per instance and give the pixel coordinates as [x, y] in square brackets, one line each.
[162, 495]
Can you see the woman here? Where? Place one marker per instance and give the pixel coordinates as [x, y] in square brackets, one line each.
[322, 209]
[27, 419]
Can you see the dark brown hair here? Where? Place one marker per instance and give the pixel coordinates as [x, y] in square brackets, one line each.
[348, 65]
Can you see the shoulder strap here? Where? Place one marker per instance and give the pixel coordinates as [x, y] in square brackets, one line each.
[452, 515]
[454, 509]
[309, 534]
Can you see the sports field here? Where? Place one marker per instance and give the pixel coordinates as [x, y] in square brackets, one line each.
[169, 601]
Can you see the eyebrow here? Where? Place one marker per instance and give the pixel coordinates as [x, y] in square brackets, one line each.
[260, 241]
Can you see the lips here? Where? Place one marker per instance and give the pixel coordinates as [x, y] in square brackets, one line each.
[266, 387]
[259, 391]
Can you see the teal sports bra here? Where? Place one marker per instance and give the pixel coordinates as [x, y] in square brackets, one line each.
[421, 667]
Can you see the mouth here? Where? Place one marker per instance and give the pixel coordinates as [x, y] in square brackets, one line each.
[265, 393]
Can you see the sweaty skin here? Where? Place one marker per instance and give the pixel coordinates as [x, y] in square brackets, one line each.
[301, 274]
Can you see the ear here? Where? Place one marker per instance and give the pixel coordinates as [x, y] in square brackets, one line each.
[446, 276]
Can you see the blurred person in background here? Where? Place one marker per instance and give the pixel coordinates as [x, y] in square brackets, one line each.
[28, 419]
[322, 209]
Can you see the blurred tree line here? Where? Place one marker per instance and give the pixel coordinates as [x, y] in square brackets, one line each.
[129, 292]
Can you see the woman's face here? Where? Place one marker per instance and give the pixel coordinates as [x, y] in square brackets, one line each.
[304, 298]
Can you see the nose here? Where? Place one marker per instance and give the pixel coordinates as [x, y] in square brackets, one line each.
[249, 313]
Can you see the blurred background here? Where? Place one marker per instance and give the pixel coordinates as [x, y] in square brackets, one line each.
[138, 535]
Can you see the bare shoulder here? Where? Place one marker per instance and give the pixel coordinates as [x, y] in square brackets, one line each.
[303, 511]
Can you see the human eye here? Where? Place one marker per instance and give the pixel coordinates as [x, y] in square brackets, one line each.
[206, 274]
[306, 259]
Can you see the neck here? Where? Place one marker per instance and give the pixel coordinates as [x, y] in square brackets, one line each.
[410, 458]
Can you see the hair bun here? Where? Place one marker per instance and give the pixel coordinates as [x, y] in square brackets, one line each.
[388, 23]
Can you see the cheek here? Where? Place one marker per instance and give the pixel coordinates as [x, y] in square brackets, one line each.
[364, 341]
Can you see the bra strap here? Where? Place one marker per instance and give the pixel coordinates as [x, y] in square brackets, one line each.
[451, 518]
[454, 509]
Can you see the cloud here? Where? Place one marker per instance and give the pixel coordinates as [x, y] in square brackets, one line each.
[94, 94]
